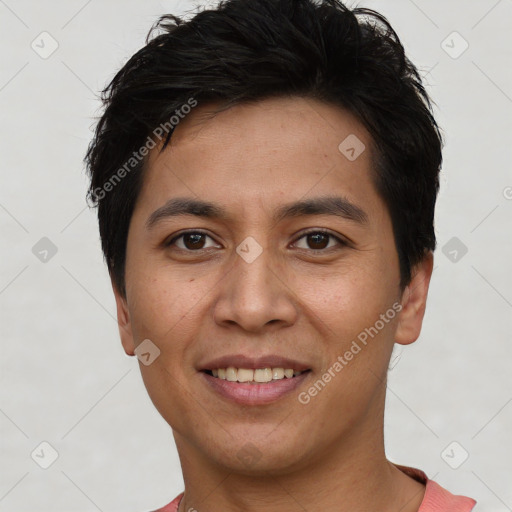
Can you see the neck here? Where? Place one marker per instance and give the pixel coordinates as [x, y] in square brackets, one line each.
[351, 474]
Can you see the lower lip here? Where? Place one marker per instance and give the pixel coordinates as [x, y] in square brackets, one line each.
[255, 394]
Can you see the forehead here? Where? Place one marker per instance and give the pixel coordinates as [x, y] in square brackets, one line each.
[256, 155]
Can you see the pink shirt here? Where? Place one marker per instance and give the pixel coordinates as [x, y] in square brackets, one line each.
[436, 498]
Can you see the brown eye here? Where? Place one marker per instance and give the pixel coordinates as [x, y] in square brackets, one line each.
[319, 240]
[190, 241]
[193, 240]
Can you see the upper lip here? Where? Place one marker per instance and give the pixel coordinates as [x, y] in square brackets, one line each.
[242, 361]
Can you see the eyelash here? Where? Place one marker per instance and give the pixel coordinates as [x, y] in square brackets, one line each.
[340, 241]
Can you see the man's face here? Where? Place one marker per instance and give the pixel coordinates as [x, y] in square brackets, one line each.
[249, 284]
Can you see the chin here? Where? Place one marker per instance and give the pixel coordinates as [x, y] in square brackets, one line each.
[258, 457]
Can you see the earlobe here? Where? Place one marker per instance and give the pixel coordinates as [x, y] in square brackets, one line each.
[414, 301]
[123, 322]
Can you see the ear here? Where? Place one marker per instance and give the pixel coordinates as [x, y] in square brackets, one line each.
[414, 302]
[123, 321]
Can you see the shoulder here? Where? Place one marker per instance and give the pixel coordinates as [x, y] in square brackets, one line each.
[437, 498]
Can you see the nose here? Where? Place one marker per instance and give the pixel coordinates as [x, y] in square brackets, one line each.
[255, 296]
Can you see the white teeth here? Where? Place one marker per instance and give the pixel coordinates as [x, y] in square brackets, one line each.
[277, 373]
[244, 375]
[263, 375]
[231, 374]
[249, 375]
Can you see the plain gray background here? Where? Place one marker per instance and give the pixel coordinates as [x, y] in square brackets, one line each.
[65, 379]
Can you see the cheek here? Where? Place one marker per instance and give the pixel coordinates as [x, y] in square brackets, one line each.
[358, 319]
[166, 306]
[358, 342]
[353, 299]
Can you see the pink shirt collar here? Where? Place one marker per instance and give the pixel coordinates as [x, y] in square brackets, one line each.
[436, 498]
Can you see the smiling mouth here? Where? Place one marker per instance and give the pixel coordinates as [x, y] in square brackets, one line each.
[254, 376]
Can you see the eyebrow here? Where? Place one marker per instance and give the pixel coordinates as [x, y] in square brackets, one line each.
[329, 205]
